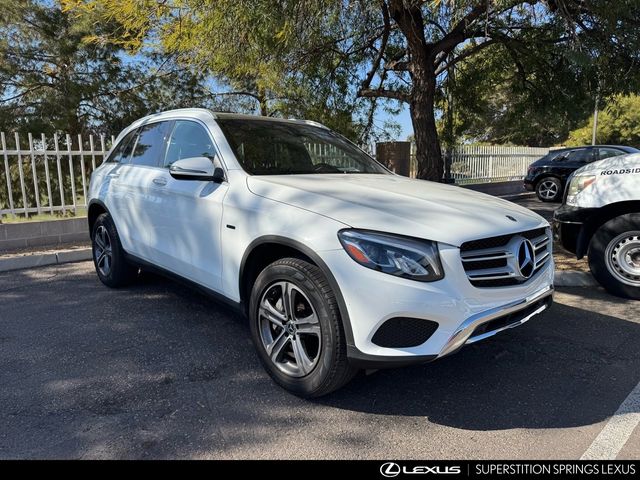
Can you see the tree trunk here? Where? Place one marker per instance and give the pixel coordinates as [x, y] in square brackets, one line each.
[421, 107]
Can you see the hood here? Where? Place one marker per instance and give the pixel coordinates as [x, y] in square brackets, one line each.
[615, 164]
[394, 204]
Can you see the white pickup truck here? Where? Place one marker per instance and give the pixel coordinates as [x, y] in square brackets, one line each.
[600, 218]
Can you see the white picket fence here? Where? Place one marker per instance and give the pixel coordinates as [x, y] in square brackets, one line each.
[492, 163]
[51, 174]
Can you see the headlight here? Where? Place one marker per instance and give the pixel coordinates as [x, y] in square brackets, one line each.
[394, 254]
[577, 184]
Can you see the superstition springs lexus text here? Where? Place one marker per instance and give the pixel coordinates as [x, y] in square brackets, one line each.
[337, 263]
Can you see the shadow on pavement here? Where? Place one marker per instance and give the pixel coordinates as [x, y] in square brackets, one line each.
[566, 368]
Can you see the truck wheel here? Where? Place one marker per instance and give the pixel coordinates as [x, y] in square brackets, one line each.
[549, 189]
[296, 328]
[614, 256]
[108, 256]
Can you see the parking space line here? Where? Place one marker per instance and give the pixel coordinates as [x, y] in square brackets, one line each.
[617, 431]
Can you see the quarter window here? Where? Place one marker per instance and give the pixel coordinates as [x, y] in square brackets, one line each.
[121, 153]
[150, 144]
[188, 139]
[609, 152]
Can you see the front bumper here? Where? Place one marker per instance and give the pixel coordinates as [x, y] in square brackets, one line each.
[529, 185]
[465, 314]
[568, 227]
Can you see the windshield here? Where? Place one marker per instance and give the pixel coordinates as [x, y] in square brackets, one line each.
[279, 148]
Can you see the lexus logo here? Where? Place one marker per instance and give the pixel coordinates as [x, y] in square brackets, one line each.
[526, 258]
[391, 469]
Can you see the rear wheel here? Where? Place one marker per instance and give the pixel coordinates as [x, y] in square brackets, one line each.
[297, 330]
[549, 189]
[108, 256]
[614, 256]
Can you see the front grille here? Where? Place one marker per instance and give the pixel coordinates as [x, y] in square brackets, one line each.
[404, 332]
[505, 260]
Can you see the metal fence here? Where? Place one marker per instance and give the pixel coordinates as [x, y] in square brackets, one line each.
[50, 175]
[491, 163]
[482, 163]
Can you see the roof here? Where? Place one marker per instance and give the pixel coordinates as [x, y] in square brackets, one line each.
[560, 149]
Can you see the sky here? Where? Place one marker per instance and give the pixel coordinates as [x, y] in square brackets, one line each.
[403, 119]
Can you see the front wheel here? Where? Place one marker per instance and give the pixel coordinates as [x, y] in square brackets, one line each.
[614, 256]
[296, 328]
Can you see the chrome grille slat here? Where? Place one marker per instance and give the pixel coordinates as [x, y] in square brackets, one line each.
[496, 276]
[500, 264]
[480, 258]
[542, 260]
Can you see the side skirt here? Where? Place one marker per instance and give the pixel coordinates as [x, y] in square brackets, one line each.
[218, 297]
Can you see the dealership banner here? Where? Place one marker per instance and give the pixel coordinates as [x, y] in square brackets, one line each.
[382, 469]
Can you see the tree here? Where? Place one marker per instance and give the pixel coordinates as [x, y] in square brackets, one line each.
[246, 50]
[537, 105]
[394, 50]
[51, 79]
[618, 124]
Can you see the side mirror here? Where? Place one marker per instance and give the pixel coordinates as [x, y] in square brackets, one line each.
[196, 168]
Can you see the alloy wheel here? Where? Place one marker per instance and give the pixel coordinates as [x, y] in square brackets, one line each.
[548, 190]
[289, 329]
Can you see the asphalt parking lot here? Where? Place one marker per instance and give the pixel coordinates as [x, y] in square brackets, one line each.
[157, 371]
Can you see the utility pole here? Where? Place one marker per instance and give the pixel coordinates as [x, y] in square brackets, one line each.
[595, 121]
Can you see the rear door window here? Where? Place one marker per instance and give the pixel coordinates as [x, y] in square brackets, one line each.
[149, 147]
[582, 155]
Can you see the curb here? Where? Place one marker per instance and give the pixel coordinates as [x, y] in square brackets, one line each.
[516, 196]
[574, 278]
[44, 259]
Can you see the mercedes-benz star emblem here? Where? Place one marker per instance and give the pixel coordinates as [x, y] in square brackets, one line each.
[526, 258]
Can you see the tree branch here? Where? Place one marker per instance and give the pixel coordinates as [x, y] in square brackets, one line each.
[384, 93]
[459, 32]
[366, 83]
[465, 54]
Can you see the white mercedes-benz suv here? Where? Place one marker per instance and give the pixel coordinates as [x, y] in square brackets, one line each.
[337, 263]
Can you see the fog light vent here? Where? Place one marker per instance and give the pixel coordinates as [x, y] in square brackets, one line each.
[403, 332]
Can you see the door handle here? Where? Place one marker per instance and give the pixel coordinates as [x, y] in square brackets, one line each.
[160, 181]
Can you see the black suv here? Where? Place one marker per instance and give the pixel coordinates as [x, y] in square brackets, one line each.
[548, 176]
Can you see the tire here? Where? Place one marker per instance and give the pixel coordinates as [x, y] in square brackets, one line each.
[108, 256]
[549, 189]
[614, 256]
[304, 352]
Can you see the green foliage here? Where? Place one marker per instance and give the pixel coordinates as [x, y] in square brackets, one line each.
[53, 79]
[618, 124]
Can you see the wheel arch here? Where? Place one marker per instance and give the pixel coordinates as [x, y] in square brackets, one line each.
[545, 175]
[95, 209]
[602, 216]
[265, 250]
